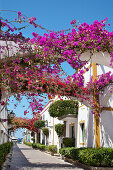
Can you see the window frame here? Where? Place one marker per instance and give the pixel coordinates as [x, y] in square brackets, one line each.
[81, 132]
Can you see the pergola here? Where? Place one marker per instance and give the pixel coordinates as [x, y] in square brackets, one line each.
[31, 57]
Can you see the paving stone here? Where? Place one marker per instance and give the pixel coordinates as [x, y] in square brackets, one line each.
[26, 158]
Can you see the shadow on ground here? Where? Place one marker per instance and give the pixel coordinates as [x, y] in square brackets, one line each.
[19, 161]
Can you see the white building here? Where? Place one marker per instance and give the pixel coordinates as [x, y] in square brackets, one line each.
[52, 138]
[3, 123]
[27, 136]
[86, 120]
[82, 127]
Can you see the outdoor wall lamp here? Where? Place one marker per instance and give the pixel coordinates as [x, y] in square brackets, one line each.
[12, 114]
[46, 124]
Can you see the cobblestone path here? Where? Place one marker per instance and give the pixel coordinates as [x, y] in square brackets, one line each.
[26, 158]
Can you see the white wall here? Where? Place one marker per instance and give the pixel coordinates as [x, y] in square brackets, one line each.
[85, 116]
[3, 125]
[106, 120]
[106, 117]
[71, 122]
[52, 138]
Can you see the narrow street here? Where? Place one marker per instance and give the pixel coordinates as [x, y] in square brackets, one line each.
[26, 158]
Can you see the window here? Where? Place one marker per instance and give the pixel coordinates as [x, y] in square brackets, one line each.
[82, 133]
[43, 118]
[32, 134]
[72, 131]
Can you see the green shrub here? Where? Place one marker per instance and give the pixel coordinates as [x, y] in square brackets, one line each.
[70, 152]
[46, 148]
[69, 142]
[27, 143]
[90, 156]
[59, 128]
[52, 148]
[96, 157]
[39, 124]
[43, 147]
[62, 151]
[45, 131]
[4, 150]
[65, 152]
[34, 145]
[40, 146]
[74, 152]
[63, 107]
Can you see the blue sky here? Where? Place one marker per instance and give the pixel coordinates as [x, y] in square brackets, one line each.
[56, 15]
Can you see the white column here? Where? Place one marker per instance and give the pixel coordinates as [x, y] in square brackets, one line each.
[59, 144]
[40, 136]
[67, 129]
[35, 137]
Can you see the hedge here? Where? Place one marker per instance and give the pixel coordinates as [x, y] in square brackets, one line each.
[52, 148]
[96, 157]
[59, 128]
[40, 146]
[27, 143]
[63, 107]
[69, 142]
[39, 124]
[65, 152]
[4, 150]
[37, 145]
[45, 131]
[90, 156]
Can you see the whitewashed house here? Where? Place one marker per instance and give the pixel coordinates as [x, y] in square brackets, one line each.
[52, 138]
[27, 136]
[3, 124]
[82, 126]
[70, 126]
[6, 131]
[86, 120]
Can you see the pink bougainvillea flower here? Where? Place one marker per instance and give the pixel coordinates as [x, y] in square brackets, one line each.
[2, 103]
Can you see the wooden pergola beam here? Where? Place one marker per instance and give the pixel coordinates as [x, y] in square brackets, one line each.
[108, 108]
[96, 117]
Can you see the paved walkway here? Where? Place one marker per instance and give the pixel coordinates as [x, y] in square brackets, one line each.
[26, 158]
